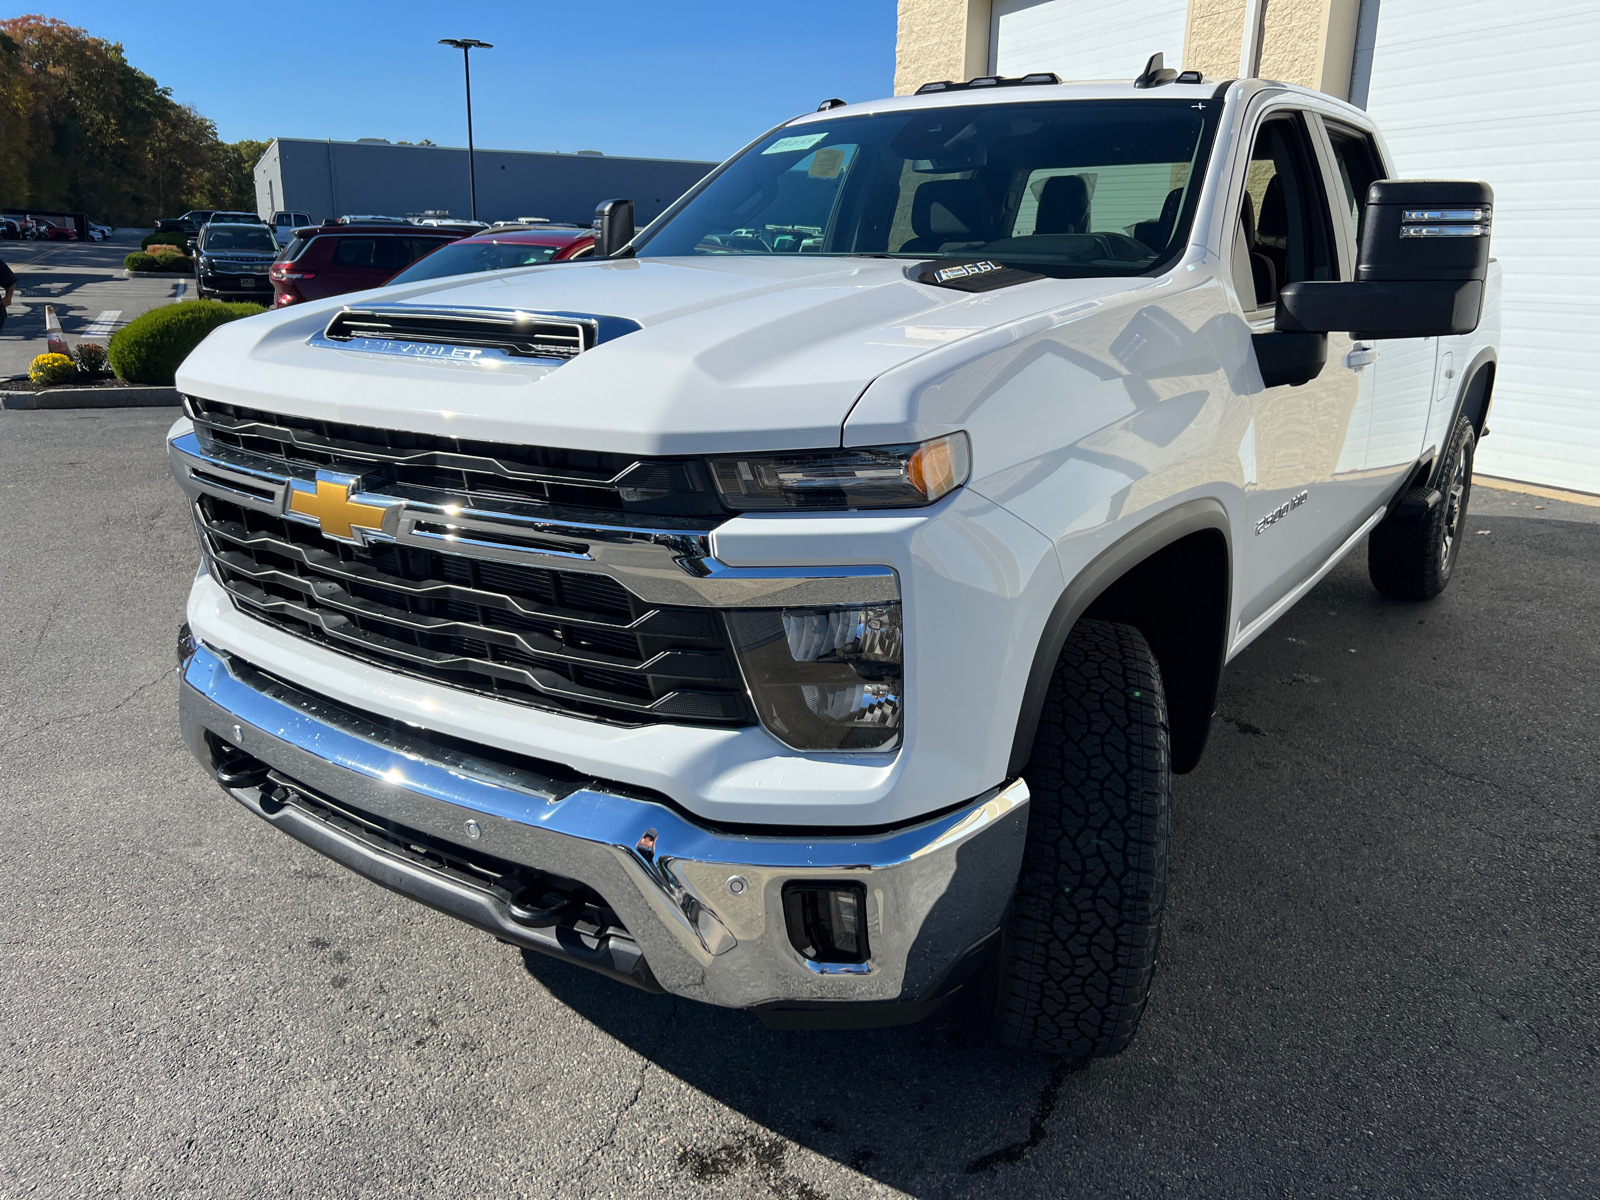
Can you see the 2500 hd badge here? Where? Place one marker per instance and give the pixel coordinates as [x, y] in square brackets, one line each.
[774, 608]
[1282, 511]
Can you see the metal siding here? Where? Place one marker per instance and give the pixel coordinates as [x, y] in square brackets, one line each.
[330, 179]
[1085, 39]
[1480, 89]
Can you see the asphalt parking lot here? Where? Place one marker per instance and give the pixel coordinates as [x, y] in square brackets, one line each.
[83, 281]
[1379, 976]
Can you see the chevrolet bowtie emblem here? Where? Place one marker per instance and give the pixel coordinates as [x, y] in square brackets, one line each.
[328, 503]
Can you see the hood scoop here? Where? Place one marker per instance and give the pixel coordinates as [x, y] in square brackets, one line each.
[468, 333]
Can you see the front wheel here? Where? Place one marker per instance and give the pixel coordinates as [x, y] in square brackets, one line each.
[1078, 949]
[1411, 553]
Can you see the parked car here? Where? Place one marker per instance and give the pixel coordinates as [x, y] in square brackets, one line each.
[235, 218]
[501, 250]
[10, 230]
[803, 605]
[331, 259]
[190, 222]
[99, 233]
[233, 260]
[46, 230]
[284, 224]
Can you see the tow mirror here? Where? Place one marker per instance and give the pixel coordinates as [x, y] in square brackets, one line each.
[1423, 259]
[613, 227]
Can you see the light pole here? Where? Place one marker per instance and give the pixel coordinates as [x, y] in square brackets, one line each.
[467, 46]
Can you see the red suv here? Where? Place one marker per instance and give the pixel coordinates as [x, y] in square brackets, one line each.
[330, 259]
[501, 249]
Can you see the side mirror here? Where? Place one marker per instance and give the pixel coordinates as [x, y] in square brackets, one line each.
[613, 227]
[1423, 259]
[194, 244]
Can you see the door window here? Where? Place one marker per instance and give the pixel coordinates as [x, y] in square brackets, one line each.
[355, 252]
[1283, 234]
[1359, 165]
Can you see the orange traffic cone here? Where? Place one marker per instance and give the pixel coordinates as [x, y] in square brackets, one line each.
[55, 340]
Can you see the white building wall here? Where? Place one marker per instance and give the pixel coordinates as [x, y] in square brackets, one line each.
[1509, 93]
[1085, 39]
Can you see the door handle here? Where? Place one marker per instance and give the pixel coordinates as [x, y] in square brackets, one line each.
[1360, 356]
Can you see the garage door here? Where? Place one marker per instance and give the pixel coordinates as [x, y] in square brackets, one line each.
[1085, 39]
[1508, 93]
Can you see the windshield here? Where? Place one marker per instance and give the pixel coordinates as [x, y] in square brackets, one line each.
[464, 258]
[1066, 188]
[239, 237]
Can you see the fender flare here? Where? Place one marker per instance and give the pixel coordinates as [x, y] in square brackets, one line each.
[1487, 359]
[1192, 516]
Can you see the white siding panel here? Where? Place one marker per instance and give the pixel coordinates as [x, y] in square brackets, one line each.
[1085, 39]
[1508, 93]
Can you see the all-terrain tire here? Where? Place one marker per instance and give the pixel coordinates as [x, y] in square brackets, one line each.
[1410, 555]
[1078, 950]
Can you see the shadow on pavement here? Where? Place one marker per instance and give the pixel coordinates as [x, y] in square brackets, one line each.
[1380, 944]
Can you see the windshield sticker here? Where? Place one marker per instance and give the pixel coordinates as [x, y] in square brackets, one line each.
[787, 145]
[826, 164]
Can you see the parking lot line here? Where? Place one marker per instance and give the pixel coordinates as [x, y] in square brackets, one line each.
[104, 324]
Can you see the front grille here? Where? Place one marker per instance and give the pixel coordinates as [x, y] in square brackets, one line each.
[481, 472]
[566, 641]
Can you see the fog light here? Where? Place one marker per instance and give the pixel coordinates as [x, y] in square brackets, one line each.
[824, 678]
[827, 922]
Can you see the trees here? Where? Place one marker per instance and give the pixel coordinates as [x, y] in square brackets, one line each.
[83, 130]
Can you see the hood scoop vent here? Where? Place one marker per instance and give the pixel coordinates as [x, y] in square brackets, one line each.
[467, 333]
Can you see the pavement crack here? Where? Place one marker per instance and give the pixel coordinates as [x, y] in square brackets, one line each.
[1059, 1070]
[610, 1135]
[34, 730]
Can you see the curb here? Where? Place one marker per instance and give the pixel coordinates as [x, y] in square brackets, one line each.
[1536, 489]
[92, 397]
[127, 274]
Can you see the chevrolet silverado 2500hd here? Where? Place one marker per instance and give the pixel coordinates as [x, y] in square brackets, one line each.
[803, 605]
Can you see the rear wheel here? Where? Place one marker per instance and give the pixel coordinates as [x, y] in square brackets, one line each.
[1078, 949]
[1411, 554]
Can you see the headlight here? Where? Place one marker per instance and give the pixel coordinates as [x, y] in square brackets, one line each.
[871, 477]
[824, 678]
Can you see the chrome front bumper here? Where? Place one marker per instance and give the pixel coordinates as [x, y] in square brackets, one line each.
[703, 909]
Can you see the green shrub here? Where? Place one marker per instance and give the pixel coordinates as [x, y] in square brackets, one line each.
[180, 240]
[48, 369]
[170, 263]
[150, 348]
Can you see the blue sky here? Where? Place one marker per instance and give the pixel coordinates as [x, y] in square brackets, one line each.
[671, 79]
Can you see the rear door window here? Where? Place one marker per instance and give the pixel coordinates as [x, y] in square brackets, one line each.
[360, 252]
[1356, 156]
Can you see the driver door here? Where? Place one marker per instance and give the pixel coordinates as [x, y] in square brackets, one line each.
[1303, 452]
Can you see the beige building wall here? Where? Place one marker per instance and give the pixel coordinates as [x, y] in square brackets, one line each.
[1309, 42]
[940, 39]
[1215, 35]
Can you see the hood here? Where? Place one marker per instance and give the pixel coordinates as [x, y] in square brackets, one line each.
[732, 354]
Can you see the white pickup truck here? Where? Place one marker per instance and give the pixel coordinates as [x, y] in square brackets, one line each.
[803, 605]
